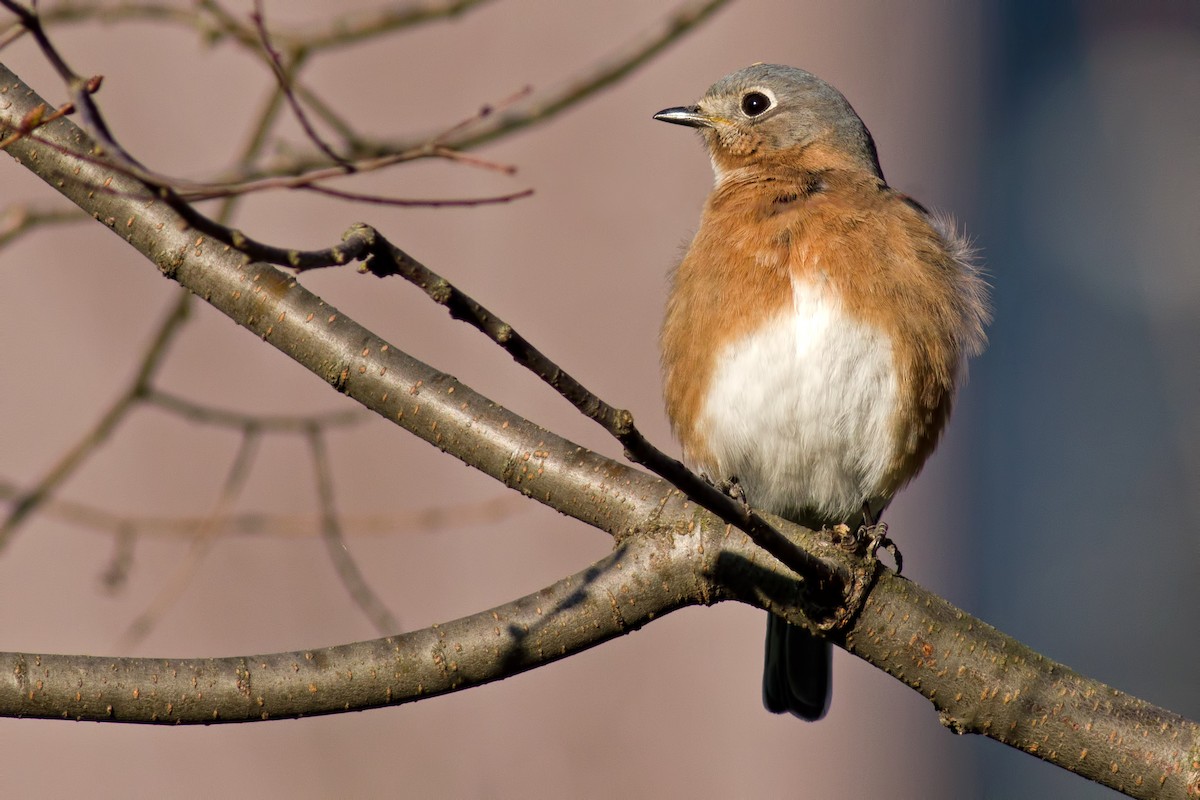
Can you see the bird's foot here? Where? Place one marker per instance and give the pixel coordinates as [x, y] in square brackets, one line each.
[875, 538]
[731, 487]
[842, 536]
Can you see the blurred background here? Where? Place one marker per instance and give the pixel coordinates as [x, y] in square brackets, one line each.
[1060, 507]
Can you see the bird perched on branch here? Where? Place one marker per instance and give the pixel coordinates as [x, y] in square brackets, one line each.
[816, 329]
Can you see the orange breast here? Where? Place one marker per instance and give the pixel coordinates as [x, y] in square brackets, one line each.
[813, 336]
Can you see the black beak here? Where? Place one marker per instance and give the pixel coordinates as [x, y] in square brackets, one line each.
[685, 115]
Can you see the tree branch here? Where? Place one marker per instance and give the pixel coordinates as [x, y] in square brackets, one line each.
[612, 597]
[668, 554]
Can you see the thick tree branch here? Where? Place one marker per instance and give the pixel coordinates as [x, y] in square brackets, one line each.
[614, 596]
[668, 554]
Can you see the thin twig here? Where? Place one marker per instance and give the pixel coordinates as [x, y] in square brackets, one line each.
[260, 131]
[215, 23]
[332, 118]
[253, 524]
[38, 117]
[178, 191]
[355, 27]
[283, 77]
[16, 221]
[373, 199]
[191, 16]
[626, 61]
[544, 106]
[70, 461]
[267, 423]
[193, 190]
[170, 593]
[460, 128]
[347, 569]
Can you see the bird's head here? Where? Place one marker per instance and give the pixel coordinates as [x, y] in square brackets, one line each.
[768, 113]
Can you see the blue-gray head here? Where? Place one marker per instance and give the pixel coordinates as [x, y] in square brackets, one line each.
[769, 110]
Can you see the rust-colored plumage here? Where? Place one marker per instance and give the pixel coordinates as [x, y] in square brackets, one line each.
[817, 326]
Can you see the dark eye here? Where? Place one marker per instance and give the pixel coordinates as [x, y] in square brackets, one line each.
[755, 103]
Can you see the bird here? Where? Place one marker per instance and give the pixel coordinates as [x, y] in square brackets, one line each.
[816, 328]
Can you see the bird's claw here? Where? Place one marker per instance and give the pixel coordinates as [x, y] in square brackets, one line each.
[874, 538]
[731, 487]
[843, 538]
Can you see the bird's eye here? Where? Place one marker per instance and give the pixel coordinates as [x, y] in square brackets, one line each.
[755, 103]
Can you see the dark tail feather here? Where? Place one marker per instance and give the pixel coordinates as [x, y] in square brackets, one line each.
[797, 670]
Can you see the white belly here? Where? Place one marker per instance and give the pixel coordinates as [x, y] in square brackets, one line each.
[801, 411]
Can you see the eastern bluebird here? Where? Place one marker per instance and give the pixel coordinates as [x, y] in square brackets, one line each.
[816, 327]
